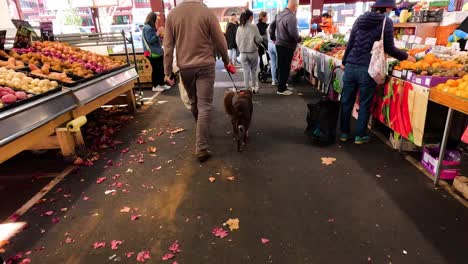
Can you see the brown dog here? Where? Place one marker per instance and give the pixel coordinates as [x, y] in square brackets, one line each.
[239, 107]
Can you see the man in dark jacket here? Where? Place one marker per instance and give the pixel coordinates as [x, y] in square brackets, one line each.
[366, 30]
[284, 31]
[231, 31]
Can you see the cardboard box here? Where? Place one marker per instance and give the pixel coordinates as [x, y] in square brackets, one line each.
[450, 165]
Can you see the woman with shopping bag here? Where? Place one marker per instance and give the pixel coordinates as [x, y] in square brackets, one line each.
[371, 38]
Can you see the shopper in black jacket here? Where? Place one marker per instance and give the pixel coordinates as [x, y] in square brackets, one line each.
[231, 31]
[263, 29]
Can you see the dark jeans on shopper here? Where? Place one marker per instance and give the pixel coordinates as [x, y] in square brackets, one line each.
[356, 78]
[157, 65]
[285, 56]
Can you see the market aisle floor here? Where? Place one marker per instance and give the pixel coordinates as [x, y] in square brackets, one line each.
[281, 191]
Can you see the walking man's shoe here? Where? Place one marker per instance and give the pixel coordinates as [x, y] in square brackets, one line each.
[203, 155]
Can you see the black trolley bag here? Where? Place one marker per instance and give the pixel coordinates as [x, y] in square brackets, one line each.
[322, 119]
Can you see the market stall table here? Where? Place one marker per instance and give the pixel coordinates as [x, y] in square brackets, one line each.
[453, 103]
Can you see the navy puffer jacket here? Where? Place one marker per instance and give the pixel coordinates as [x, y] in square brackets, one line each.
[366, 30]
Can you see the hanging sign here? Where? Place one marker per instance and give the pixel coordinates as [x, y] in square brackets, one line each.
[430, 41]
[47, 31]
[2, 39]
[22, 38]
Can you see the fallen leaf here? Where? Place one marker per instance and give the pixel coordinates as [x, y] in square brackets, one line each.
[109, 192]
[129, 254]
[160, 134]
[125, 150]
[143, 256]
[168, 256]
[55, 220]
[141, 141]
[115, 244]
[69, 240]
[28, 252]
[101, 180]
[175, 247]
[109, 163]
[78, 161]
[405, 252]
[26, 261]
[212, 179]
[125, 210]
[156, 169]
[331, 220]
[151, 138]
[64, 209]
[129, 171]
[99, 245]
[265, 240]
[177, 130]
[220, 232]
[328, 161]
[135, 217]
[231, 178]
[152, 149]
[42, 231]
[233, 224]
[86, 198]
[378, 176]
[49, 213]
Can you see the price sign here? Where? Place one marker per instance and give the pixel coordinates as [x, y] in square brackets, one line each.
[22, 38]
[418, 40]
[405, 38]
[411, 38]
[22, 23]
[431, 41]
[47, 31]
[2, 39]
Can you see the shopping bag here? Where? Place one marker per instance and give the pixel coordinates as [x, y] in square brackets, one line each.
[378, 64]
[184, 95]
[298, 60]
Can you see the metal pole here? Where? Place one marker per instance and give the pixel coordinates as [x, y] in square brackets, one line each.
[443, 145]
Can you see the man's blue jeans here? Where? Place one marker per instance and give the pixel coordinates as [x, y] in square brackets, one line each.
[356, 78]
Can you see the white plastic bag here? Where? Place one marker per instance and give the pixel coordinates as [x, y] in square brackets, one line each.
[183, 94]
[378, 63]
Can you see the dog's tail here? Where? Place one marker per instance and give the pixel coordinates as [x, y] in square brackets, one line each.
[228, 106]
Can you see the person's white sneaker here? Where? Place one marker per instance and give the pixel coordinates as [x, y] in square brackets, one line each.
[166, 87]
[158, 89]
[273, 83]
[287, 92]
[255, 89]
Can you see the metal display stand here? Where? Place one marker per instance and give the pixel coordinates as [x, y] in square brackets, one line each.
[40, 123]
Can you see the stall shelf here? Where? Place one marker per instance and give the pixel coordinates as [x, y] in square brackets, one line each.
[453, 103]
[422, 30]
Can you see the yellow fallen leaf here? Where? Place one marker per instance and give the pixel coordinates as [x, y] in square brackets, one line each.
[231, 178]
[152, 149]
[233, 224]
[212, 179]
[328, 161]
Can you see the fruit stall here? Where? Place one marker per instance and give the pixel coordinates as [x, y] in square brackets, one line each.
[48, 88]
[440, 76]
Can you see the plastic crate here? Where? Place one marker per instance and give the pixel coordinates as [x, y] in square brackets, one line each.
[450, 165]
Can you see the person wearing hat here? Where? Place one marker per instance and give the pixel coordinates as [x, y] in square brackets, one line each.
[327, 23]
[366, 30]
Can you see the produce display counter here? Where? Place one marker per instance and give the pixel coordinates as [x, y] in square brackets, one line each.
[453, 103]
[39, 124]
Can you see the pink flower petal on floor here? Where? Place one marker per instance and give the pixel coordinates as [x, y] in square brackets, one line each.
[265, 240]
[175, 247]
[101, 180]
[99, 244]
[26, 261]
[168, 256]
[115, 244]
[141, 141]
[125, 150]
[135, 217]
[219, 232]
[28, 252]
[55, 220]
[69, 240]
[143, 256]
[125, 210]
[151, 138]
[175, 262]
[109, 163]
[49, 213]
[129, 254]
